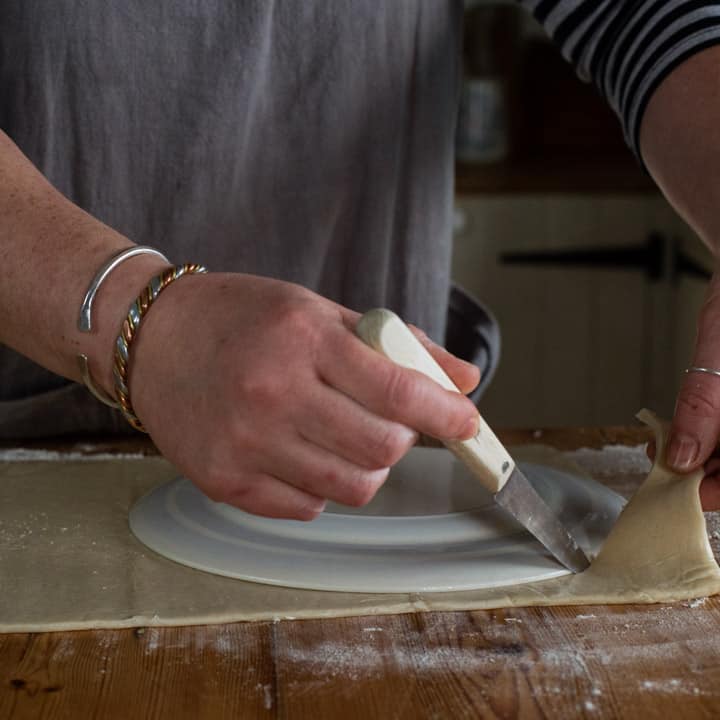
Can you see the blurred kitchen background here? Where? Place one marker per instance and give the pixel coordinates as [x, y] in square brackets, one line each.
[594, 279]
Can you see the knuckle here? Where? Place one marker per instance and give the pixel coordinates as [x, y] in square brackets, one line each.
[264, 390]
[309, 512]
[252, 499]
[228, 466]
[295, 316]
[363, 488]
[244, 496]
[693, 401]
[389, 446]
[240, 490]
[247, 501]
[215, 483]
[459, 416]
[399, 390]
[329, 481]
[297, 319]
[341, 487]
[300, 324]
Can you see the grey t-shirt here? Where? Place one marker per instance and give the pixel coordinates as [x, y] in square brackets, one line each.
[301, 139]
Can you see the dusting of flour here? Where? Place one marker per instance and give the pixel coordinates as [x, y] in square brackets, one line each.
[33, 455]
[612, 460]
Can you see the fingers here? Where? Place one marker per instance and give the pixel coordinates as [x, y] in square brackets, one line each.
[710, 486]
[651, 450]
[464, 374]
[345, 428]
[296, 483]
[313, 470]
[696, 425]
[395, 393]
[710, 494]
[263, 494]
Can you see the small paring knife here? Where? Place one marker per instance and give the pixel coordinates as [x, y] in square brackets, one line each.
[483, 454]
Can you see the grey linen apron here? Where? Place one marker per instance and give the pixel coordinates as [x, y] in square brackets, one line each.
[304, 139]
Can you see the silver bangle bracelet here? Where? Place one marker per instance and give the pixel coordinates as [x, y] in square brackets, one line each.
[85, 319]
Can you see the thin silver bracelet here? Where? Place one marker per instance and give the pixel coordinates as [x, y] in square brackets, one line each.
[85, 319]
[708, 371]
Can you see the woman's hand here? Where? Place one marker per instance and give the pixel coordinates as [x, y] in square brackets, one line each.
[260, 392]
[695, 429]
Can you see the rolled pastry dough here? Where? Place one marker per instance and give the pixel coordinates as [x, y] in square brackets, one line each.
[69, 561]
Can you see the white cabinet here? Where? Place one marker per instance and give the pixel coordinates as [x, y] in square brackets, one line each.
[582, 345]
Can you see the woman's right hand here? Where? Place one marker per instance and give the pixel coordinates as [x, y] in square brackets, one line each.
[260, 392]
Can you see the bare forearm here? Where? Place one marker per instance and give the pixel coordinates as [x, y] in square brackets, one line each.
[680, 142]
[49, 251]
[257, 390]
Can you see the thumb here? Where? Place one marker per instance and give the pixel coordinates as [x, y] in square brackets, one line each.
[696, 425]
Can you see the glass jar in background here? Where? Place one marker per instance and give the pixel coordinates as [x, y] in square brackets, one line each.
[490, 38]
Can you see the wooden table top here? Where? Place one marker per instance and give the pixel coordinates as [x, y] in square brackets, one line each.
[657, 661]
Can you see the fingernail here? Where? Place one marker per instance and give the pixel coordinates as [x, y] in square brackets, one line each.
[682, 451]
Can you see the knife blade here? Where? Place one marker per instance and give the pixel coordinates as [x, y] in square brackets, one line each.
[483, 454]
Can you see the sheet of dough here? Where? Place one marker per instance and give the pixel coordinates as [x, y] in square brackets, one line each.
[68, 560]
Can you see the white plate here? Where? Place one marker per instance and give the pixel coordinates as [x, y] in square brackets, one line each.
[431, 528]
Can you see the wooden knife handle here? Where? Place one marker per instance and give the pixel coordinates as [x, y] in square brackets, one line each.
[483, 454]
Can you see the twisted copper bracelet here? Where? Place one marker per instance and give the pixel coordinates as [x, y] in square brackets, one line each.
[130, 327]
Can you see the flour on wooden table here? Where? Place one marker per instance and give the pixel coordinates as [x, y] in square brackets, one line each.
[32, 455]
[612, 460]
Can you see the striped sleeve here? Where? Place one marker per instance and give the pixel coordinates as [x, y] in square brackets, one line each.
[627, 47]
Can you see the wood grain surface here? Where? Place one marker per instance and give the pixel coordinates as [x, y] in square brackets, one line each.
[596, 662]
[634, 662]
